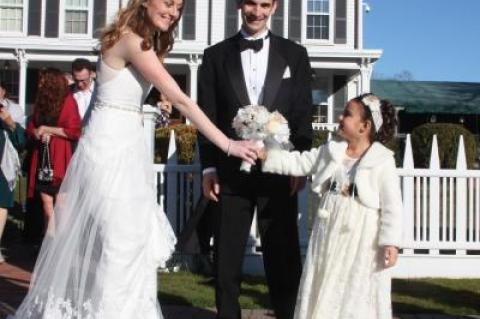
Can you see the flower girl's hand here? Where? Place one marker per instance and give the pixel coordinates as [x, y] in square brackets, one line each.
[390, 255]
[246, 150]
[262, 154]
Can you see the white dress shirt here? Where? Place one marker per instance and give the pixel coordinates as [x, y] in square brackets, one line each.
[83, 99]
[254, 65]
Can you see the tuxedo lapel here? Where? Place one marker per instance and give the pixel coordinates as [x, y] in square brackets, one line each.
[276, 68]
[233, 65]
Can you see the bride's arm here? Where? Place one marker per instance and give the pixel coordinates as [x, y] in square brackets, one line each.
[147, 63]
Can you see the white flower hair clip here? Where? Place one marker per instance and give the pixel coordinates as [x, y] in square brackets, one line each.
[373, 103]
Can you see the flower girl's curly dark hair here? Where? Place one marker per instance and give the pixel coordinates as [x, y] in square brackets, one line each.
[389, 116]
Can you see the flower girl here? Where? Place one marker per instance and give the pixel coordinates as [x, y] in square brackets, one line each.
[357, 230]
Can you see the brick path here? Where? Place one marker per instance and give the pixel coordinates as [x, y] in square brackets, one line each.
[15, 277]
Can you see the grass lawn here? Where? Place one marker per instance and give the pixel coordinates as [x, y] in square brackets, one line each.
[440, 296]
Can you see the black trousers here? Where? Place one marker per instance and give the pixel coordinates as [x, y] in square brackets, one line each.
[277, 224]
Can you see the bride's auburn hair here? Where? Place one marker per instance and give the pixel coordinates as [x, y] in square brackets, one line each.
[134, 17]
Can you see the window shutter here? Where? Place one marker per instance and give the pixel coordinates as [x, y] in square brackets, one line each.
[277, 19]
[341, 21]
[99, 17]
[188, 21]
[51, 19]
[294, 24]
[34, 17]
[231, 18]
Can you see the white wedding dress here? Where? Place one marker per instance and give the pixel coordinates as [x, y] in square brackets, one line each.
[100, 255]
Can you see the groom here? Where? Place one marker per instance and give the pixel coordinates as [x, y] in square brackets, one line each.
[255, 67]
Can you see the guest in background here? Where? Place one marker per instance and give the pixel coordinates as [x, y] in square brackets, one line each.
[12, 138]
[83, 75]
[55, 122]
[155, 98]
[165, 107]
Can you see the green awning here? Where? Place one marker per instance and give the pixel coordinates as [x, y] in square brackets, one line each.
[430, 97]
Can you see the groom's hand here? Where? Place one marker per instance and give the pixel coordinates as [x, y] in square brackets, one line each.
[211, 186]
[297, 184]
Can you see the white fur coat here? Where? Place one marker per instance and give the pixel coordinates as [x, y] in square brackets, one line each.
[376, 179]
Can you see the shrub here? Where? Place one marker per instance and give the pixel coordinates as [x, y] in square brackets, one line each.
[185, 137]
[319, 137]
[448, 136]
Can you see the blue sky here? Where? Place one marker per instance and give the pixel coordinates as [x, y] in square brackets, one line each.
[435, 40]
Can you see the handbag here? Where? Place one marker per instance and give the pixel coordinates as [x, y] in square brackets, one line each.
[45, 171]
[10, 164]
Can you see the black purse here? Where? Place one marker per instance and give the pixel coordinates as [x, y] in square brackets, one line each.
[45, 171]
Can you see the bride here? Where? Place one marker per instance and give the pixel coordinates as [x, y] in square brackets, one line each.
[101, 251]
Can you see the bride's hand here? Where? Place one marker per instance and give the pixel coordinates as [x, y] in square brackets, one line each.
[246, 150]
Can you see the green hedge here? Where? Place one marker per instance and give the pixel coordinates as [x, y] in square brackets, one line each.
[319, 137]
[185, 136]
[448, 136]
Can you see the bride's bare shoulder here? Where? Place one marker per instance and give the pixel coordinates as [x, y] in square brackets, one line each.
[130, 39]
[120, 53]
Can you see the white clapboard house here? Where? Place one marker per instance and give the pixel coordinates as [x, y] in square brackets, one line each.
[41, 33]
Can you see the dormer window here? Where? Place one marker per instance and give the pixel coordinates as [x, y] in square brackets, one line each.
[76, 16]
[318, 19]
[11, 16]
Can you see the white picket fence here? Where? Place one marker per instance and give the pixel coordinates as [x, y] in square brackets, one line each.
[441, 213]
[441, 218]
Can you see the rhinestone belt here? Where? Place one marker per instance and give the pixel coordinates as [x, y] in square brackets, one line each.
[126, 108]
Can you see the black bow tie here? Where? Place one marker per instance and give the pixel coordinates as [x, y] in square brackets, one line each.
[255, 45]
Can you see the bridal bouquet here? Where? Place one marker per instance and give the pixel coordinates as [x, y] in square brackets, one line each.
[268, 129]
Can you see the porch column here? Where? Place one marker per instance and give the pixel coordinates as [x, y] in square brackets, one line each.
[366, 70]
[150, 115]
[193, 78]
[22, 85]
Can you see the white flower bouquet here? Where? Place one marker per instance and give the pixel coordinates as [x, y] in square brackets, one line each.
[268, 129]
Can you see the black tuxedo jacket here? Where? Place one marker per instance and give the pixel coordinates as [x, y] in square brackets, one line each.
[222, 91]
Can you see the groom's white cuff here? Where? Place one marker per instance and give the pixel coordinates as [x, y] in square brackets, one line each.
[209, 170]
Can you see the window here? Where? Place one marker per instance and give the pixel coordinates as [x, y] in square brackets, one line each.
[318, 19]
[11, 15]
[9, 76]
[76, 16]
[320, 89]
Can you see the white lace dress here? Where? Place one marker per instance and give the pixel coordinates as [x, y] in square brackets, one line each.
[100, 255]
[343, 274]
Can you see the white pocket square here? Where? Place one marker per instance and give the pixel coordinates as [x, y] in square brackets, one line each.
[286, 74]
